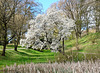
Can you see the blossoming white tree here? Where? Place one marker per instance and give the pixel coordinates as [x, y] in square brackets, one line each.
[47, 30]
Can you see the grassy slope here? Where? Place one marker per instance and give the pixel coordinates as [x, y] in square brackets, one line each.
[88, 50]
[85, 43]
[25, 56]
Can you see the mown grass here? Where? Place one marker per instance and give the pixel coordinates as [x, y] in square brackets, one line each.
[26, 56]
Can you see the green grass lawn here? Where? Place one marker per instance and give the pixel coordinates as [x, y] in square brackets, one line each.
[89, 46]
[10, 46]
[86, 43]
[26, 56]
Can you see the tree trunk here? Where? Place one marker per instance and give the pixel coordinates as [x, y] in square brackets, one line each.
[77, 41]
[16, 44]
[87, 29]
[4, 49]
[5, 42]
[80, 32]
[97, 25]
[63, 45]
[97, 28]
[16, 47]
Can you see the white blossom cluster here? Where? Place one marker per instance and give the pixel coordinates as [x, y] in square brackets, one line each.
[47, 30]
